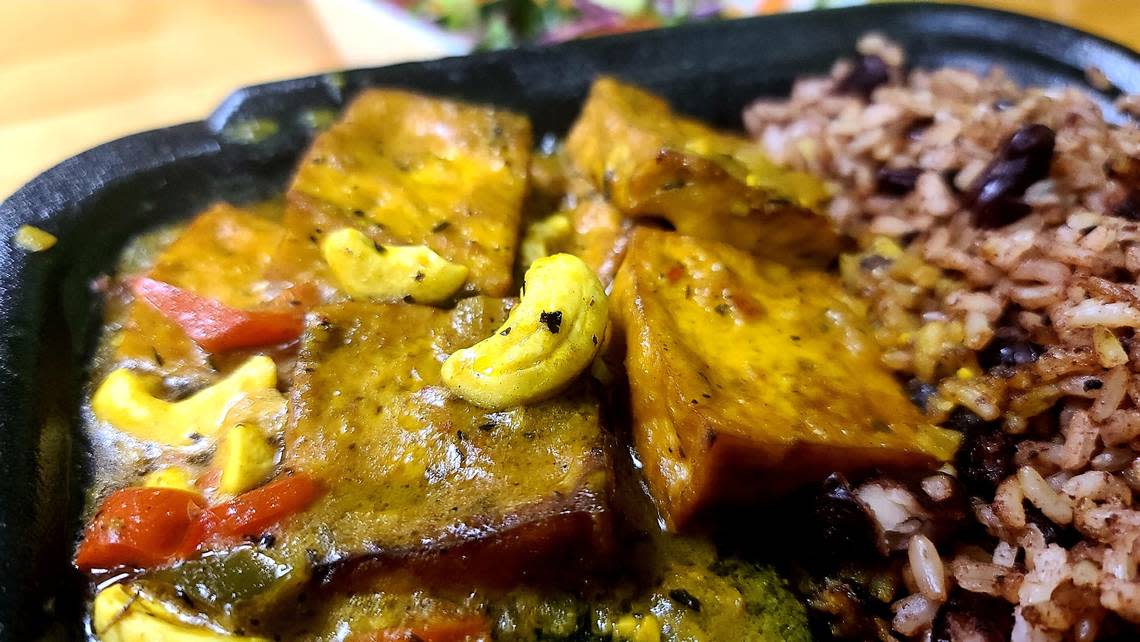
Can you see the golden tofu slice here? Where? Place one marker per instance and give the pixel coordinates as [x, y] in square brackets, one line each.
[224, 254]
[649, 161]
[749, 378]
[417, 476]
[408, 169]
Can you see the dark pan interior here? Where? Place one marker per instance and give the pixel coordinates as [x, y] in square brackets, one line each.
[95, 201]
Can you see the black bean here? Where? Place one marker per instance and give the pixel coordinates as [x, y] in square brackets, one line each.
[920, 392]
[844, 527]
[1001, 212]
[973, 616]
[1129, 207]
[1065, 536]
[917, 127]
[1009, 349]
[949, 516]
[897, 181]
[867, 74]
[962, 420]
[1092, 384]
[1031, 141]
[985, 458]
[1024, 158]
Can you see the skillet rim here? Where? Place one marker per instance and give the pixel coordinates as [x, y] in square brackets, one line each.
[42, 353]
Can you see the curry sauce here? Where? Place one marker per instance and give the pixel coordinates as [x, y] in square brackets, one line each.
[297, 441]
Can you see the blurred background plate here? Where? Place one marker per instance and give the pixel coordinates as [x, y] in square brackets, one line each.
[74, 73]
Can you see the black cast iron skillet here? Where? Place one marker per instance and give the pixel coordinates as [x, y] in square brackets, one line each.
[95, 201]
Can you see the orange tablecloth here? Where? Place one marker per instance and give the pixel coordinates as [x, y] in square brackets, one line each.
[74, 73]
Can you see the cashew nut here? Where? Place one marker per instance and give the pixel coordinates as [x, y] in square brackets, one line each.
[121, 615]
[366, 270]
[172, 477]
[246, 458]
[545, 237]
[549, 338]
[125, 400]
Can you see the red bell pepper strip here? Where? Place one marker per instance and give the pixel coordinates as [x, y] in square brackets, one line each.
[255, 511]
[138, 527]
[472, 628]
[252, 513]
[216, 326]
[146, 527]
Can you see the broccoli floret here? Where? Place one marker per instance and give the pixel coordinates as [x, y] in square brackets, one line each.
[775, 613]
[685, 591]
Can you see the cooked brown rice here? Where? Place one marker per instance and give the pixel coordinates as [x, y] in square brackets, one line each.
[1030, 326]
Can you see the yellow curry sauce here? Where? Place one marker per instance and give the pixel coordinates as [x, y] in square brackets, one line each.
[350, 482]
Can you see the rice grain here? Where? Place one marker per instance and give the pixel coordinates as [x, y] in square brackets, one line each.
[926, 566]
[1041, 495]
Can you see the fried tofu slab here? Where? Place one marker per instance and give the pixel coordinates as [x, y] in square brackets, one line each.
[423, 478]
[649, 161]
[748, 378]
[224, 254]
[415, 170]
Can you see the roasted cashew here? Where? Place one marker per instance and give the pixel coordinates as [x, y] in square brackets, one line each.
[174, 477]
[121, 616]
[366, 270]
[246, 457]
[249, 447]
[549, 338]
[125, 400]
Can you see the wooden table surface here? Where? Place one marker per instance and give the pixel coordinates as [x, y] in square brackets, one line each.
[74, 73]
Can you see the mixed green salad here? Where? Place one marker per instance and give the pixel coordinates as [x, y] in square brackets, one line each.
[496, 24]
